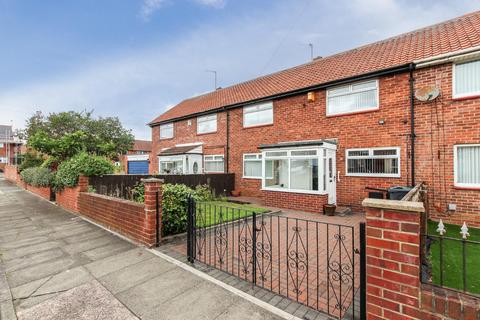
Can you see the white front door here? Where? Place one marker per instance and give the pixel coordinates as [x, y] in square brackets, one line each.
[330, 171]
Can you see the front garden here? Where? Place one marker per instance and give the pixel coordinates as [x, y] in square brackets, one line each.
[457, 265]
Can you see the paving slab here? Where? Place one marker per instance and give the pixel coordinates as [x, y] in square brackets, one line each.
[32, 259]
[135, 274]
[114, 263]
[107, 250]
[88, 301]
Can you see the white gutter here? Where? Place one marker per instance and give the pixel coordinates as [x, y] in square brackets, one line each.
[459, 55]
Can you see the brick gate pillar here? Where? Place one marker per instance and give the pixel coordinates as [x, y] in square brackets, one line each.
[393, 258]
[153, 219]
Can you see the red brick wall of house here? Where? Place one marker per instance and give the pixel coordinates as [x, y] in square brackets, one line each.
[68, 197]
[440, 125]
[297, 119]
[394, 290]
[3, 153]
[11, 173]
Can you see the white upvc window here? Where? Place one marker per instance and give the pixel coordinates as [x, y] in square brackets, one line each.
[1, 145]
[467, 165]
[299, 170]
[252, 165]
[373, 162]
[355, 97]
[466, 79]
[259, 114]
[171, 165]
[3, 160]
[166, 131]
[214, 163]
[207, 124]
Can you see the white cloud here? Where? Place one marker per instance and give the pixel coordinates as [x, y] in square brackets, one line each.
[212, 3]
[149, 7]
[139, 86]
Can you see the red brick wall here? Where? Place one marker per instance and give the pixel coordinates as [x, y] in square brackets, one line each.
[125, 217]
[441, 125]
[295, 201]
[10, 173]
[457, 121]
[44, 192]
[68, 197]
[394, 290]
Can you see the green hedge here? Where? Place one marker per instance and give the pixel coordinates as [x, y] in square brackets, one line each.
[81, 164]
[37, 176]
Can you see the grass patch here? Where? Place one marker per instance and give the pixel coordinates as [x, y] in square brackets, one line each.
[214, 212]
[453, 258]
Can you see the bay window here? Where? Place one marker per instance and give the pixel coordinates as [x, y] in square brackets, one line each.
[215, 163]
[171, 165]
[166, 131]
[373, 162]
[295, 170]
[207, 124]
[466, 79]
[467, 165]
[252, 166]
[355, 97]
[259, 114]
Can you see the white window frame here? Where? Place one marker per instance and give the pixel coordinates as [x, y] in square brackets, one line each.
[170, 124]
[350, 86]
[258, 159]
[455, 163]
[371, 156]
[463, 95]
[1, 145]
[319, 156]
[214, 160]
[207, 118]
[257, 107]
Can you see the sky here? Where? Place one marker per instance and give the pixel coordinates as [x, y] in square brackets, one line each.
[136, 58]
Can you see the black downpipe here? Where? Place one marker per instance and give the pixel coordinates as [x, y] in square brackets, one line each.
[227, 157]
[412, 123]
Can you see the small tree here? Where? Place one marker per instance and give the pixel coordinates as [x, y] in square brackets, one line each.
[64, 134]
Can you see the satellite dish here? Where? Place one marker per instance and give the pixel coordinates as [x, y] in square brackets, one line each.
[427, 93]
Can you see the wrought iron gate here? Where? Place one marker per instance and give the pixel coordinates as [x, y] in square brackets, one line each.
[308, 261]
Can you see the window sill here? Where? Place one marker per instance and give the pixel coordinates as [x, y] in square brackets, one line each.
[461, 98]
[252, 178]
[472, 188]
[372, 176]
[206, 133]
[258, 126]
[318, 193]
[163, 139]
[351, 113]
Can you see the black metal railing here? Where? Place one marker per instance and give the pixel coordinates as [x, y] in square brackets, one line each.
[125, 186]
[308, 261]
[451, 259]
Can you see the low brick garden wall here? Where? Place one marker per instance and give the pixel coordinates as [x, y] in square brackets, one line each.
[12, 175]
[295, 201]
[68, 197]
[394, 290]
[44, 192]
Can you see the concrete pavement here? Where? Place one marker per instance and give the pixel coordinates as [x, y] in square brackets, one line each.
[55, 265]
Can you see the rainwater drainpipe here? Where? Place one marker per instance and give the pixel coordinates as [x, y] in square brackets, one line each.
[227, 158]
[412, 122]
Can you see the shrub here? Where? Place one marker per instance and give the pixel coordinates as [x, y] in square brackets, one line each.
[37, 176]
[174, 208]
[30, 160]
[203, 193]
[81, 164]
[138, 192]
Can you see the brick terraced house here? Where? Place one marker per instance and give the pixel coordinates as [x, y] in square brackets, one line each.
[323, 131]
[10, 146]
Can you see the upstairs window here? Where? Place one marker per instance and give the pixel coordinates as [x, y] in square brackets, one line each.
[373, 162]
[256, 115]
[356, 97]
[166, 131]
[207, 124]
[467, 165]
[214, 163]
[466, 79]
